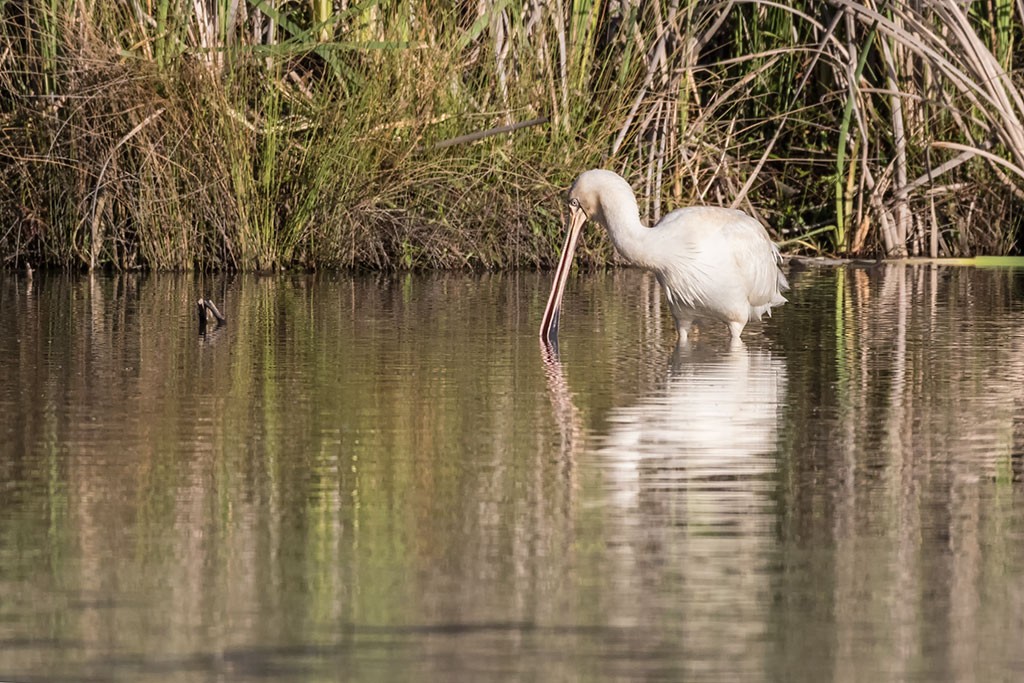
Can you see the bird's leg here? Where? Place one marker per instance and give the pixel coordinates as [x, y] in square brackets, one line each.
[683, 329]
[679, 355]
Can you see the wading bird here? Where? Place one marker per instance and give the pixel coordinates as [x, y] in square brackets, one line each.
[712, 262]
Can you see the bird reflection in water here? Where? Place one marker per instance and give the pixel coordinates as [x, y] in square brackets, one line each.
[567, 415]
[709, 433]
[689, 479]
[689, 475]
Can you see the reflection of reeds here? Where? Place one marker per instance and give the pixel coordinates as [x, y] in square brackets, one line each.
[261, 134]
[902, 460]
[314, 448]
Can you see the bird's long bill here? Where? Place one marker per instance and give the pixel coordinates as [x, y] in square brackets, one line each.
[549, 324]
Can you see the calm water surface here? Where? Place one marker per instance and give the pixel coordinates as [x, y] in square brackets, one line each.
[383, 478]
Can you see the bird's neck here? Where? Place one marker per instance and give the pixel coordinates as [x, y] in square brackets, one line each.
[621, 218]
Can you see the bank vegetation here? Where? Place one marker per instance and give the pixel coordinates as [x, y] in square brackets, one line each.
[264, 134]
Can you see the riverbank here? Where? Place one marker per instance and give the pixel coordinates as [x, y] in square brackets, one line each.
[384, 135]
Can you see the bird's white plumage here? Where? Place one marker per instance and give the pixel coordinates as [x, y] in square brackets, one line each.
[712, 262]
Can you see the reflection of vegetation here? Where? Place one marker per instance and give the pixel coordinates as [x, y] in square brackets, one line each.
[256, 134]
[311, 462]
[899, 458]
[352, 453]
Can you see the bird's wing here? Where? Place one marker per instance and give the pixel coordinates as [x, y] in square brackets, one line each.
[757, 258]
[703, 244]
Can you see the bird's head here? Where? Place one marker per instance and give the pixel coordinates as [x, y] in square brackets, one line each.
[594, 194]
[590, 193]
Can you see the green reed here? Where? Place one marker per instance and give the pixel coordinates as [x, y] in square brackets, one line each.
[261, 135]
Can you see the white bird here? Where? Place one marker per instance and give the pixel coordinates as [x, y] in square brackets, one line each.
[712, 262]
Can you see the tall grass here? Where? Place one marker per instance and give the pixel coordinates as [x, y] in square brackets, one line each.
[258, 134]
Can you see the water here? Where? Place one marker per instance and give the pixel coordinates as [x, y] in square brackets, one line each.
[383, 478]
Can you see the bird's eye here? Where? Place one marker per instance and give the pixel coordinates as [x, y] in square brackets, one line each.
[574, 203]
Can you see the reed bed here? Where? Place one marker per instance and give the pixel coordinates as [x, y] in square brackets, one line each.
[257, 134]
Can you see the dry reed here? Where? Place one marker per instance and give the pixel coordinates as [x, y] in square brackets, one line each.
[257, 135]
